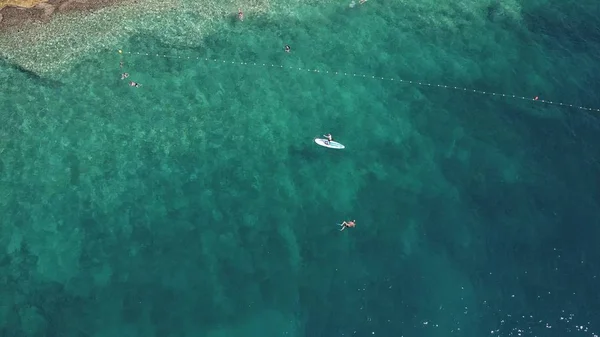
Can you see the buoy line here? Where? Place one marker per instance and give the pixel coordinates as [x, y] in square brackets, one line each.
[351, 74]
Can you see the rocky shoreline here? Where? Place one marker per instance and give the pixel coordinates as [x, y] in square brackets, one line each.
[16, 16]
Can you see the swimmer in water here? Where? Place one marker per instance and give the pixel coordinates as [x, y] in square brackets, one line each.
[240, 14]
[124, 75]
[287, 48]
[329, 138]
[347, 224]
[134, 84]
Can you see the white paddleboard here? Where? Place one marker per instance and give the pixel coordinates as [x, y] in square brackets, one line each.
[331, 145]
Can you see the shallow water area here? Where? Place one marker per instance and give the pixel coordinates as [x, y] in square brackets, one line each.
[198, 203]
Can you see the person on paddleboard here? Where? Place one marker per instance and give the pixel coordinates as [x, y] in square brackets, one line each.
[329, 138]
[347, 224]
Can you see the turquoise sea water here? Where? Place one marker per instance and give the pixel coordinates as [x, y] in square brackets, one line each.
[198, 204]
